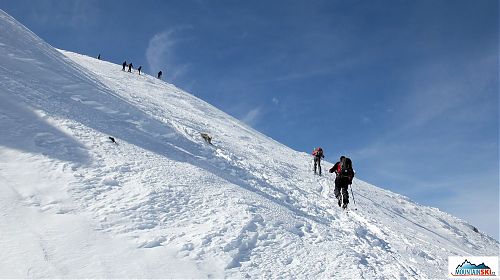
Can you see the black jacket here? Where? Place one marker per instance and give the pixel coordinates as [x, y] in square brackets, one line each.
[347, 176]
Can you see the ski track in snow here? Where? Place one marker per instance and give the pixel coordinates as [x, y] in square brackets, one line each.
[163, 203]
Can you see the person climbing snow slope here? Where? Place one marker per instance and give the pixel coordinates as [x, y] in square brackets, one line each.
[318, 155]
[344, 175]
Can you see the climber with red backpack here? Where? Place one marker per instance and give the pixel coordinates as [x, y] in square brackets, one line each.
[318, 155]
[344, 175]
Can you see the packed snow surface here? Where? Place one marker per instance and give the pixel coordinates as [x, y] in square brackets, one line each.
[164, 203]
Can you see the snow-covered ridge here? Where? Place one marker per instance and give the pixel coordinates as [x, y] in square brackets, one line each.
[163, 203]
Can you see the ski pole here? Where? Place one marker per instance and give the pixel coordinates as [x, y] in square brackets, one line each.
[354, 200]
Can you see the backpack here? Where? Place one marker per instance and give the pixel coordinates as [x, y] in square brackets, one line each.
[344, 169]
[318, 152]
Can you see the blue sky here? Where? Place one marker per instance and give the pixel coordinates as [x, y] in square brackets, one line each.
[408, 89]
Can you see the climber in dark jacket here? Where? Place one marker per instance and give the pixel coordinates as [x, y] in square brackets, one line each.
[344, 175]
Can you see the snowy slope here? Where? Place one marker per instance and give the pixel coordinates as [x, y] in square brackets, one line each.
[163, 203]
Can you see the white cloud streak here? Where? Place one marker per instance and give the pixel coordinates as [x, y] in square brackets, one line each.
[439, 91]
[252, 116]
[430, 130]
[77, 13]
[160, 53]
[159, 48]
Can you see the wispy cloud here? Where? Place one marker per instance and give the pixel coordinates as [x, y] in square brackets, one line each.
[433, 133]
[83, 13]
[252, 116]
[439, 90]
[160, 53]
[436, 103]
[159, 48]
[366, 120]
[77, 13]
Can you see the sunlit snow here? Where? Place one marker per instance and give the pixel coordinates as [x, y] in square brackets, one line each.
[164, 203]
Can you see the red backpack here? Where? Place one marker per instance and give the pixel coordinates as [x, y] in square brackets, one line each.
[317, 152]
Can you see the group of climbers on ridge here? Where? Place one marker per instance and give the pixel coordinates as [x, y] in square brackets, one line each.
[130, 66]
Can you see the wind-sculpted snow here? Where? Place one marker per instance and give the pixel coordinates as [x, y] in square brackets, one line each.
[164, 203]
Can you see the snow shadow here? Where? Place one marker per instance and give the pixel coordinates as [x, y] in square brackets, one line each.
[26, 131]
